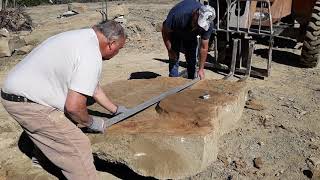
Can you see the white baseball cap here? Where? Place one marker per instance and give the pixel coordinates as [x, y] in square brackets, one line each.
[206, 15]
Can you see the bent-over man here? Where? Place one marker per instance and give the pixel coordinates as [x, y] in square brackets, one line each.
[184, 23]
[55, 79]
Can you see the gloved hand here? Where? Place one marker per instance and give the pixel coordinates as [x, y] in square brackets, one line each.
[97, 125]
[120, 110]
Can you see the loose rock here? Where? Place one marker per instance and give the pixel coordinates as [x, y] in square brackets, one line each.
[260, 143]
[24, 50]
[4, 48]
[158, 27]
[313, 146]
[16, 43]
[79, 7]
[4, 32]
[224, 160]
[116, 11]
[314, 160]
[240, 163]
[257, 162]
[255, 105]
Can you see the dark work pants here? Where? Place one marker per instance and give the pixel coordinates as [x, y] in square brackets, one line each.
[189, 48]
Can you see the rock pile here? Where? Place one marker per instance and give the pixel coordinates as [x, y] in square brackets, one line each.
[15, 20]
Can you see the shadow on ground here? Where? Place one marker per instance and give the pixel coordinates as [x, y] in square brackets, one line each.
[222, 70]
[121, 171]
[143, 75]
[27, 147]
[278, 42]
[281, 57]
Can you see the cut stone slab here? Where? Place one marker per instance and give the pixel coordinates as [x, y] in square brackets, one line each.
[16, 42]
[176, 138]
[4, 32]
[24, 50]
[4, 48]
[117, 10]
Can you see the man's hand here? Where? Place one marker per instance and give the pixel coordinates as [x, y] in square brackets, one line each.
[201, 74]
[97, 124]
[120, 110]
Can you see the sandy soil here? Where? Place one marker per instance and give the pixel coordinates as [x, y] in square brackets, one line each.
[281, 141]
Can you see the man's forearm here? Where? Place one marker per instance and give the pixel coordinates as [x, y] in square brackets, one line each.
[80, 116]
[102, 99]
[166, 38]
[203, 53]
[75, 107]
[203, 57]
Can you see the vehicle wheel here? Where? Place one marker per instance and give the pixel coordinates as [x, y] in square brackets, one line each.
[311, 46]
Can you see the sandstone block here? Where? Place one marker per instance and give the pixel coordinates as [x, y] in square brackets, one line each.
[79, 7]
[178, 137]
[158, 27]
[24, 50]
[16, 42]
[117, 10]
[4, 32]
[4, 48]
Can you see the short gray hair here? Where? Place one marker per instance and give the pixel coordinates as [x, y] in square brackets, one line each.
[112, 30]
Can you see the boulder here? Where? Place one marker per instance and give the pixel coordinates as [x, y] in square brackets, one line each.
[176, 138]
[4, 32]
[16, 42]
[4, 47]
[117, 10]
[158, 26]
[24, 50]
[79, 7]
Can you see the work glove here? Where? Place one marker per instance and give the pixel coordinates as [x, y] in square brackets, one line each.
[97, 124]
[120, 110]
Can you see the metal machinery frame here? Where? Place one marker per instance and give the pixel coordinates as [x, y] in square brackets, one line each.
[236, 20]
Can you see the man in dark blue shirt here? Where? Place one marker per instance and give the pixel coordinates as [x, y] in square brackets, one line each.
[184, 22]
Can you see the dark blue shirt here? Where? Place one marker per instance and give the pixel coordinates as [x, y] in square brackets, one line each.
[179, 20]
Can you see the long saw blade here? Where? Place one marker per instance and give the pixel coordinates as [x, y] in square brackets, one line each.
[148, 103]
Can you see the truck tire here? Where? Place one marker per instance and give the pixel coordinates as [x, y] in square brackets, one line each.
[310, 54]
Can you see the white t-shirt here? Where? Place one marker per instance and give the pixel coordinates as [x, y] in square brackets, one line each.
[70, 60]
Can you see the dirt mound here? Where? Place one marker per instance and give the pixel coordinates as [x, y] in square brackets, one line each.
[15, 20]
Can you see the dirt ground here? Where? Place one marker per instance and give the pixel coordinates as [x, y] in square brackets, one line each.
[281, 140]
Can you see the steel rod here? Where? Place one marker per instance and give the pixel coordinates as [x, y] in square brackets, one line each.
[148, 103]
[249, 60]
[238, 16]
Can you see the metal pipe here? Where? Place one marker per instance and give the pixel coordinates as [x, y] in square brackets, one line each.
[249, 60]
[234, 59]
[216, 53]
[260, 17]
[238, 16]
[270, 56]
[270, 17]
[218, 15]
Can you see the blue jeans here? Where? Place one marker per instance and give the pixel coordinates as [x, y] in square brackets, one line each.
[189, 48]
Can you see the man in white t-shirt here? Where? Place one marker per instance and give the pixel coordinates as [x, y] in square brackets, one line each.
[52, 83]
